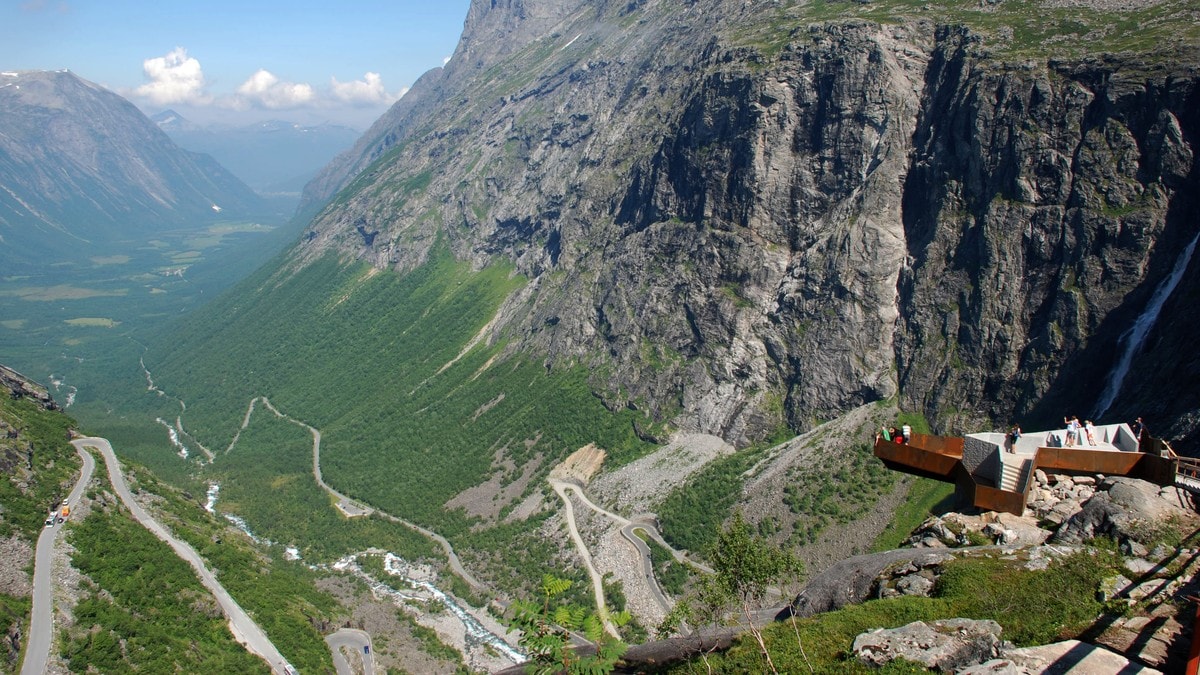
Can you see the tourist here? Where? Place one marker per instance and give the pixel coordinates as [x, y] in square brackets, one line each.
[1072, 430]
[907, 431]
[1090, 430]
[1013, 436]
[884, 434]
[1138, 427]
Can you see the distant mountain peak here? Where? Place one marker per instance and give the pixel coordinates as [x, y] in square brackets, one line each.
[81, 164]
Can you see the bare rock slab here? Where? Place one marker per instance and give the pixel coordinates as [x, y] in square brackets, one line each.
[947, 645]
[1061, 658]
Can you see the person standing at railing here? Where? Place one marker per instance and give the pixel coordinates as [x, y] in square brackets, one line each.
[1072, 430]
[1138, 427]
[1012, 437]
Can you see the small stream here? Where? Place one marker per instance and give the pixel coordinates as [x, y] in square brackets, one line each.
[394, 565]
[174, 435]
[476, 633]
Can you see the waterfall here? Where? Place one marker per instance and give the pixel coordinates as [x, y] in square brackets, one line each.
[1133, 338]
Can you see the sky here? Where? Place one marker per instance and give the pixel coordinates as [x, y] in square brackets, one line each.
[225, 61]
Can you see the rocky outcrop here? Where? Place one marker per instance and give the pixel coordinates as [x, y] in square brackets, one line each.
[17, 385]
[945, 646]
[855, 579]
[1054, 658]
[1043, 205]
[1127, 510]
[743, 233]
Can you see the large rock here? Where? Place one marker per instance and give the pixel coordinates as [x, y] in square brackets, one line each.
[1125, 509]
[947, 645]
[853, 580]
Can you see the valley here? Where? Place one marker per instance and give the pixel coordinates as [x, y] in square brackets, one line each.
[614, 290]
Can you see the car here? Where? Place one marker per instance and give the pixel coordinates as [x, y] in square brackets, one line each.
[49, 522]
[366, 649]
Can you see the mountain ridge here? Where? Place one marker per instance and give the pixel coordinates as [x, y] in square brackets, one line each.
[802, 296]
[82, 166]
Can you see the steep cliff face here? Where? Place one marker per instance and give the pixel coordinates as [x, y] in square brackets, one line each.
[1044, 205]
[737, 232]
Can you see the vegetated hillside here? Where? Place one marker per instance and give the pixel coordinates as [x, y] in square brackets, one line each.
[731, 218]
[37, 468]
[82, 168]
[753, 214]
[137, 605]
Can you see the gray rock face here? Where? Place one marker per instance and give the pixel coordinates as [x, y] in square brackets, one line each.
[947, 645]
[855, 579]
[1126, 509]
[738, 239]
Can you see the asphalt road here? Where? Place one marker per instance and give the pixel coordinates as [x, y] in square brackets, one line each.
[356, 640]
[41, 625]
[244, 629]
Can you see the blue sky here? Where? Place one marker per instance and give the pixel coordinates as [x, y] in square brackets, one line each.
[228, 61]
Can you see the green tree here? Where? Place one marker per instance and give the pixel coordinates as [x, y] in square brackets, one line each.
[546, 634]
[744, 568]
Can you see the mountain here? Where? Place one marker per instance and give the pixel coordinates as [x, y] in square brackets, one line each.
[635, 222]
[748, 219]
[629, 247]
[271, 156]
[82, 167]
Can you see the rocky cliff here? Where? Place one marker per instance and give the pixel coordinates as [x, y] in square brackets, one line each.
[748, 214]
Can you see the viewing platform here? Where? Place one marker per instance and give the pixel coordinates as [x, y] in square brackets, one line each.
[991, 475]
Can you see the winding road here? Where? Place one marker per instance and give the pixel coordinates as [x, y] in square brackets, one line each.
[352, 508]
[41, 624]
[244, 629]
[357, 640]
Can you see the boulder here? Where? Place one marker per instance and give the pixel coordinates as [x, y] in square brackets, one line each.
[915, 584]
[854, 579]
[1125, 509]
[1112, 587]
[947, 645]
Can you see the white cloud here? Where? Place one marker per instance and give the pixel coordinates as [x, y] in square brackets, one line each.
[368, 91]
[265, 90]
[174, 78]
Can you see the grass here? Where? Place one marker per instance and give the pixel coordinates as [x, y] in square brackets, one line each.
[926, 497]
[1032, 607]
[1011, 30]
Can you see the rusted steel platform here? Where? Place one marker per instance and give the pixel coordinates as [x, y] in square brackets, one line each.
[942, 458]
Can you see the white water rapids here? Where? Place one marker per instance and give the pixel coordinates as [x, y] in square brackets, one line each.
[1133, 338]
